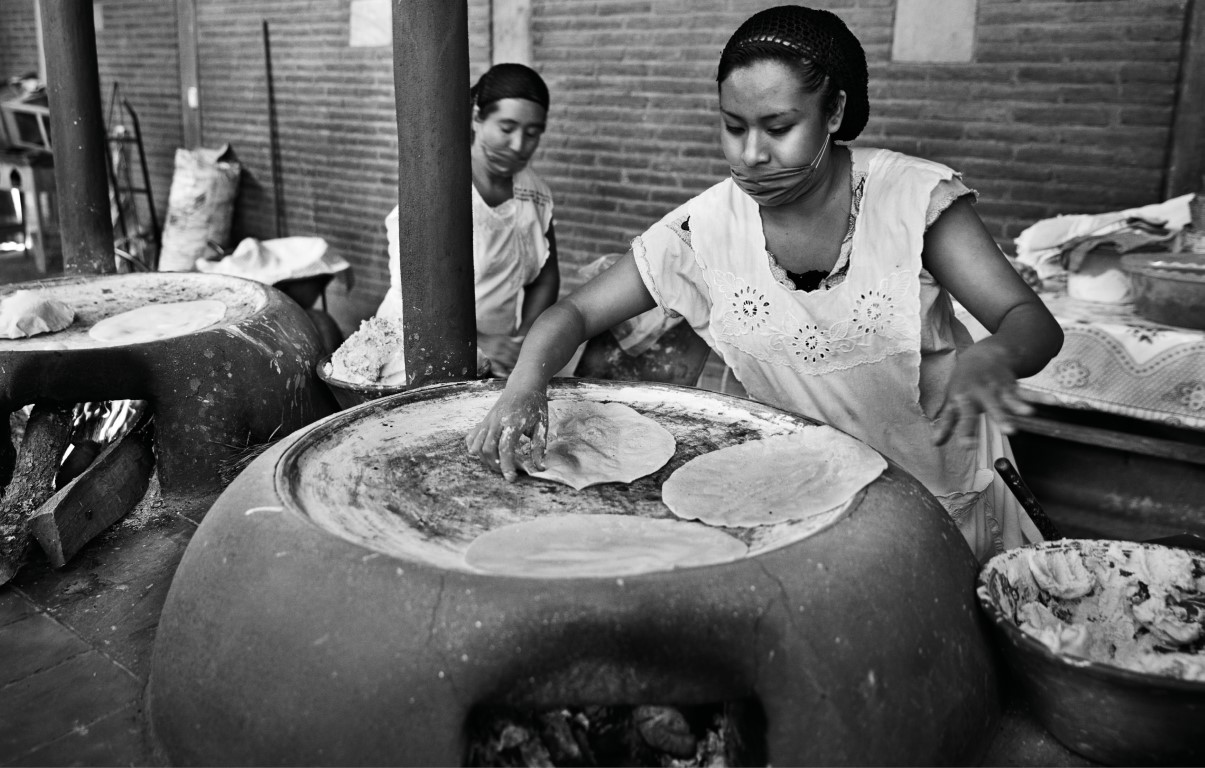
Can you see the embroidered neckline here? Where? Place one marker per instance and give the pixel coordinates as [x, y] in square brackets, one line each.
[817, 279]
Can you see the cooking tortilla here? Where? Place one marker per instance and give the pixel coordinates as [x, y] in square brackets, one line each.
[29, 313]
[599, 545]
[591, 443]
[158, 321]
[764, 482]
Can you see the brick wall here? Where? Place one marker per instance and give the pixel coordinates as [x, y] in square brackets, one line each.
[336, 123]
[1065, 109]
[18, 44]
[137, 52]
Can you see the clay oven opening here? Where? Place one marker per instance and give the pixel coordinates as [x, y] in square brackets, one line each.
[712, 734]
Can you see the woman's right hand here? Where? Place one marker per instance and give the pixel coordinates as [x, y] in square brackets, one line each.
[496, 439]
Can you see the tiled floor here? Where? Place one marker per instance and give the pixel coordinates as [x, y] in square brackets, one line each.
[76, 643]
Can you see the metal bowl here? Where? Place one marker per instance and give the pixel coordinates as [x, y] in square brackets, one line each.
[1104, 712]
[1169, 288]
[349, 394]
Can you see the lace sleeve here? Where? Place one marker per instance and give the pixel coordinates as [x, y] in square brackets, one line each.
[945, 193]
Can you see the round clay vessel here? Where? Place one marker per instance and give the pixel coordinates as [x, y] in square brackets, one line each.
[243, 381]
[323, 612]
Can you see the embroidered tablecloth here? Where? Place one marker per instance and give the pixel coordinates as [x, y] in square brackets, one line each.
[1114, 361]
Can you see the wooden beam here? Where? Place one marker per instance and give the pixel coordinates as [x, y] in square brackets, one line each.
[1107, 438]
[78, 134]
[47, 434]
[435, 223]
[106, 491]
[190, 79]
[1186, 153]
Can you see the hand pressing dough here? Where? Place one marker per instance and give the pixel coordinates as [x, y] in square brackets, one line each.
[599, 545]
[29, 313]
[158, 321]
[763, 482]
[590, 443]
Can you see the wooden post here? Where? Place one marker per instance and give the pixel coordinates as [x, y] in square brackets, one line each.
[1186, 152]
[435, 223]
[190, 80]
[78, 135]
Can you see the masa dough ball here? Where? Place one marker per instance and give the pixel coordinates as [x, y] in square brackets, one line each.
[29, 313]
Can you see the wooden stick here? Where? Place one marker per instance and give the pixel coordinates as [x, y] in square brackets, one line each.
[101, 495]
[1012, 478]
[46, 437]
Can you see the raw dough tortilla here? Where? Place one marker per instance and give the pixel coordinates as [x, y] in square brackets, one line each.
[158, 321]
[763, 482]
[565, 546]
[591, 443]
[29, 313]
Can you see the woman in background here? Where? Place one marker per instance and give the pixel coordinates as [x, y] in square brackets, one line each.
[515, 271]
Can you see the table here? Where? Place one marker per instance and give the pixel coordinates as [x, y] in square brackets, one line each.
[1115, 362]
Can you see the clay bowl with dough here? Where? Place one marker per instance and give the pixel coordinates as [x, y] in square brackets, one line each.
[325, 612]
[1108, 713]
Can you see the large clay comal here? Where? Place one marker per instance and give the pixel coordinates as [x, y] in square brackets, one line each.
[324, 612]
[242, 381]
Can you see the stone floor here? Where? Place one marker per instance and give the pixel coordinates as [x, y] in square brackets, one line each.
[76, 643]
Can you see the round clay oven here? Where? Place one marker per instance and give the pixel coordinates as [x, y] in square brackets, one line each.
[245, 380]
[324, 614]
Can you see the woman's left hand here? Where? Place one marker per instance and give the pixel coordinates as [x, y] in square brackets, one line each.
[982, 382]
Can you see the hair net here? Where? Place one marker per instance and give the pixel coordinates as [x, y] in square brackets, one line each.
[822, 38]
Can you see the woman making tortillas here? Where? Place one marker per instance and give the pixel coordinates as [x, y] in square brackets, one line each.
[823, 276]
[515, 270]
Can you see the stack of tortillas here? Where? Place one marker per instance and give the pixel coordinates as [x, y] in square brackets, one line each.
[158, 321]
[789, 477]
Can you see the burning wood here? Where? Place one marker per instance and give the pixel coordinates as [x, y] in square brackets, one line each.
[46, 437]
[708, 735]
[102, 493]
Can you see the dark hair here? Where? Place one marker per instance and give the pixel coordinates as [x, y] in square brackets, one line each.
[827, 57]
[508, 81]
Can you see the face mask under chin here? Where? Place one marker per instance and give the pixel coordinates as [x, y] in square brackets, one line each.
[780, 186]
[500, 163]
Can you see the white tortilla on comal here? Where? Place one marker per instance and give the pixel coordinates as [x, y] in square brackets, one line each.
[158, 321]
[29, 313]
[796, 476]
[561, 546]
[590, 443]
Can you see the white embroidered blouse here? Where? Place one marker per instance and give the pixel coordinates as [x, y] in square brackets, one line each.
[869, 352]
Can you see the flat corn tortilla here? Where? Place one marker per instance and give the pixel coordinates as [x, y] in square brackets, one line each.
[158, 321]
[591, 443]
[797, 476]
[561, 546]
[29, 313]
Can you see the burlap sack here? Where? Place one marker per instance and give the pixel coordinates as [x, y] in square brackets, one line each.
[200, 206]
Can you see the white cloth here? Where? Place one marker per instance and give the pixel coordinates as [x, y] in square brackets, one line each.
[1038, 245]
[271, 261]
[871, 356]
[510, 247]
